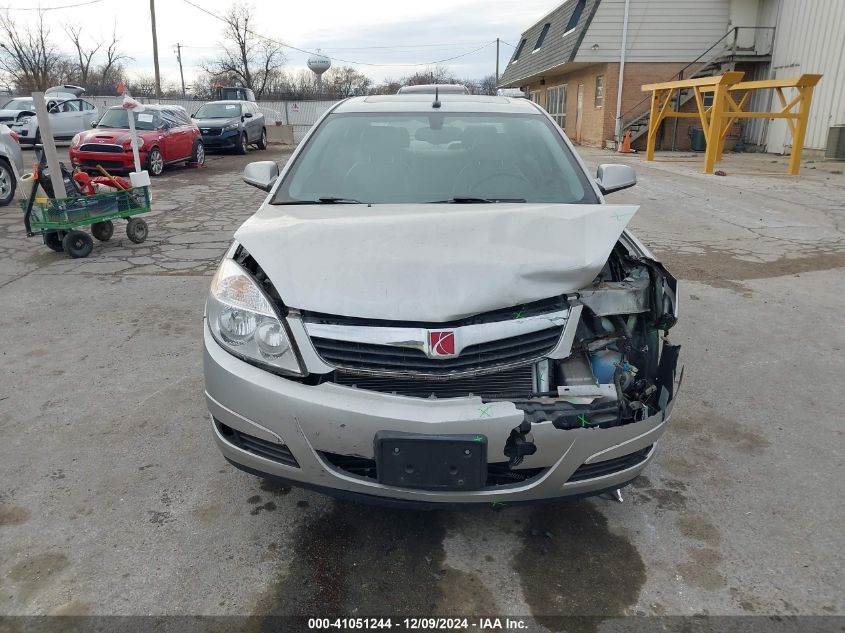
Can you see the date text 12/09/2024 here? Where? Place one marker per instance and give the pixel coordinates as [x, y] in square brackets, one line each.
[418, 624]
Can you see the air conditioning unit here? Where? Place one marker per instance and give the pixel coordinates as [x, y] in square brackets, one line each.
[836, 142]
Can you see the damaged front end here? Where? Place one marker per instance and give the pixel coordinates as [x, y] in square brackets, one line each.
[595, 361]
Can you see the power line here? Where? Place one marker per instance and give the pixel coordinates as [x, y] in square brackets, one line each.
[338, 59]
[44, 9]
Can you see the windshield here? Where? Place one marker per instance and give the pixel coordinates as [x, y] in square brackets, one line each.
[219, 111]
[435, 157]
[116, 118]
[19, 104]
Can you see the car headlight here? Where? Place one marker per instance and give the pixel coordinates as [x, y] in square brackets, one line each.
[75, 140]
[242, 320]
[127, 144]
[231, 126]
[24, 120]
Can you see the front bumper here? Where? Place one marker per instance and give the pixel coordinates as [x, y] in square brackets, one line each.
[226, 140]
[312, 421]
[112, 161]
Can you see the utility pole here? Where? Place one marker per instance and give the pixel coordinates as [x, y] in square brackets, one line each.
[155, 47]
[497, 60]
[179, 58]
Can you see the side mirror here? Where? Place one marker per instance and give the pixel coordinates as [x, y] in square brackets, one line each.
[247, 115]
[193, 115]
[261, 174]
[93, 124]
[611, 177]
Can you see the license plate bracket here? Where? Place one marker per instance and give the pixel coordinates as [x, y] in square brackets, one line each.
[431, 462]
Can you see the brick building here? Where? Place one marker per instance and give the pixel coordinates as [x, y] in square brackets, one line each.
[569, 60]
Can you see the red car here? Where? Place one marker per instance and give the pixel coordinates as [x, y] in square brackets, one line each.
[166, 135]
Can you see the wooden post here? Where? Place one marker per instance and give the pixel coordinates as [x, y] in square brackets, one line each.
[806, 93]
[714, 131]
[653, 123]
[49, 144]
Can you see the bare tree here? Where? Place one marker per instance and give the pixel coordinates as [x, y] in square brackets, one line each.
[111, 70]
[434, 75]
[345, 82]
[83, 54]
[253, 60]
[27, 57]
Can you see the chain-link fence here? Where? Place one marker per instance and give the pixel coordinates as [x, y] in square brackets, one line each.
[299, 114]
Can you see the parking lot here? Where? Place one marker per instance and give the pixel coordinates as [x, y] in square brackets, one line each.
[114, 499]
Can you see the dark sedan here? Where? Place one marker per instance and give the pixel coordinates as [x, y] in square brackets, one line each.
[231, 125]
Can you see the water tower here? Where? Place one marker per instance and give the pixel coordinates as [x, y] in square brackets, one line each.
[318, 65]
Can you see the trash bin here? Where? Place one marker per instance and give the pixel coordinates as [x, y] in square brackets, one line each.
[696, 139]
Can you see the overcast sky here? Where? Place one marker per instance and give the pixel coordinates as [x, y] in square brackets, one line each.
[410, 32]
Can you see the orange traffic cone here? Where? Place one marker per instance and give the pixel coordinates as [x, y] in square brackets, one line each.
[626, 144]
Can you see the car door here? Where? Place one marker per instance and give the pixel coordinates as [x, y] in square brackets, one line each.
[89, 115]
[256, 123]
[66, 118]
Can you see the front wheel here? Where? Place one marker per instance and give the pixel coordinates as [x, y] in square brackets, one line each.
[243, 146]
[155, 162]
[262, 142]
[137, 230]
[103, 230]
[78, 244]
[198, 157]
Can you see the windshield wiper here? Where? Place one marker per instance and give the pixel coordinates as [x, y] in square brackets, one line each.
[324, 200]
[473, 200]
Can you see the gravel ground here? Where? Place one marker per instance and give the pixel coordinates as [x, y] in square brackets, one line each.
[114, 500]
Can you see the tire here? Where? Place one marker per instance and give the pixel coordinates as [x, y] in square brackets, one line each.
[262, 141]
[137, 230]
[78, 244]
[198, 157]
[103, 230]
[53, 241]
[8, 183]
[155, 162]
[244, 144]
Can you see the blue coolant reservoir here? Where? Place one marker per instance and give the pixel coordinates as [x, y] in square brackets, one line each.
[604, 364]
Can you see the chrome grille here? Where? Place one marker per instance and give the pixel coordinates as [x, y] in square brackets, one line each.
[106, 148]
[512, 381]
[486, 357]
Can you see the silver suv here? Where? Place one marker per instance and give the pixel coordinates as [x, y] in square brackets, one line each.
[435, 304]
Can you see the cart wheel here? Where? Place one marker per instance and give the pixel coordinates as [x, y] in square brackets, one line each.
[137, 230]
[54, 241]
[78, 244]
[103, 230]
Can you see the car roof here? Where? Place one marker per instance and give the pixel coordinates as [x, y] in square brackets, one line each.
[448, 103]
[430, 88]
[158, 107]
[229, 101]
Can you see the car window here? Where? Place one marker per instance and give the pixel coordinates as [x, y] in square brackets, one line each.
[219, 111]
[87, 106]
[422, 157]
[117, 118]
[19, 104]
[70, 106]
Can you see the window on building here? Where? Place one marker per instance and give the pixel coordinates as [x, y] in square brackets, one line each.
[577, 10]
[542, 36]
[556, 104]
[518, 51]
[534, 95]
[599, 100]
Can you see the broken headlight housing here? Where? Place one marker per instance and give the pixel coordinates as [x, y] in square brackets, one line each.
[242, 320]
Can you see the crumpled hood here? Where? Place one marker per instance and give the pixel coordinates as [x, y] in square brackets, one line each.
[13, 114]
[427, 262]
[216, 123]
